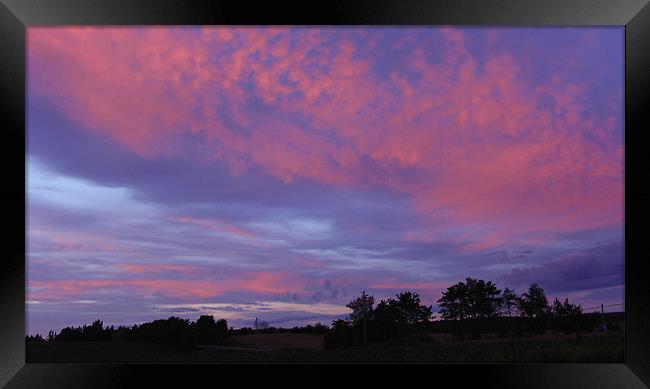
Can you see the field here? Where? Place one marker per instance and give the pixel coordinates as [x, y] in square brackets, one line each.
[280, 341]
[305, 348]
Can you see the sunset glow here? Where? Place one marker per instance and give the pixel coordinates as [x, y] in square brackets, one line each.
[278, 172]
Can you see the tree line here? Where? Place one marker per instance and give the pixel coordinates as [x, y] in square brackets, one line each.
[467, 308]
[173, 331]
[317, 328]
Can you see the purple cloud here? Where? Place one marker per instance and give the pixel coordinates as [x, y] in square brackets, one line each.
[278, 172]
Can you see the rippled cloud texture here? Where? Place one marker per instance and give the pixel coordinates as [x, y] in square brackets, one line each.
[278, 172]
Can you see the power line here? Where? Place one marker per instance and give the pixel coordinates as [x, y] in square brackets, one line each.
[603, 306]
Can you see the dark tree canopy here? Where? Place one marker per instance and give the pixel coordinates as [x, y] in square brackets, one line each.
[453, 303]
[361, 307]
[173, 331]
[509, 300]
[206, 329]
[563, 309]
[409, 308]
[221, 329]
[469, 300]
[534, 303]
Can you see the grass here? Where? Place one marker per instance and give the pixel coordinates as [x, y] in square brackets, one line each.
[283, 349]
[280, 341]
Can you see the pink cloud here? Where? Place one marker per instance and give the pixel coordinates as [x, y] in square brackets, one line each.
[311, 263]
[81, 241]
[465, 134]
[188, 289]
[157, 268]
[270, 283]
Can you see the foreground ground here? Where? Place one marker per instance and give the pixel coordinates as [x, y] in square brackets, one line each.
[305, 348]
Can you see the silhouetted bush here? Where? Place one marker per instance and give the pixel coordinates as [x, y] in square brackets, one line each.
[245, 331]
[93, 332]
[317, 328]
[34, 338]
[173, 331]
[341, 334]
[121, 333]
[222, 332]
[206, 329]
[470, 300]
[385, 324]
[69, 334]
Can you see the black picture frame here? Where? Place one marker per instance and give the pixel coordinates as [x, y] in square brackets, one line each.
[16, 15]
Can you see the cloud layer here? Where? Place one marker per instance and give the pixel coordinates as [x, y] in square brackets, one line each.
[230, 165]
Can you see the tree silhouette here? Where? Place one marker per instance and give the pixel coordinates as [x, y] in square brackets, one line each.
[95, 331]
[410, 309]
[361, 307]
[483, 298]
[222, 331]
[34, 339]
[387, 319]
[453, 303]
[563, 309]
[509, 301]
[534, 303]
[567, 317]
[361, 310]
[469, 300]
[174, 331]
[339, 335]
[206, 329]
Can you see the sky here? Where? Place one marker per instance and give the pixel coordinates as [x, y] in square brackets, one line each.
[278, 172]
